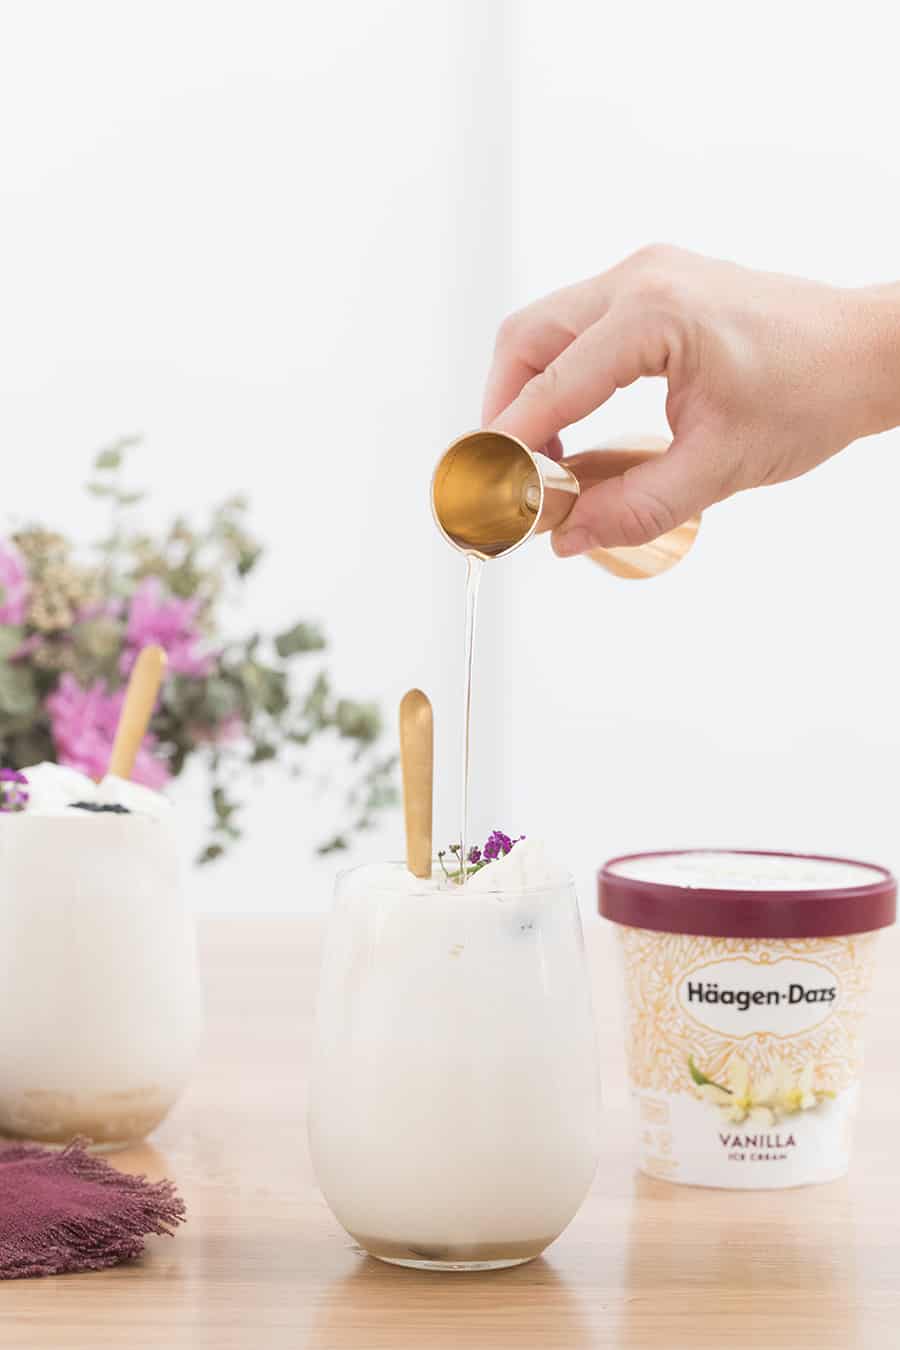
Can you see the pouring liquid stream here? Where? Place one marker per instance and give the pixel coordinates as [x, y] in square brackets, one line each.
[474, 567]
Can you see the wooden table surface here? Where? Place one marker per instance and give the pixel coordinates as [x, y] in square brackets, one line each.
[261, 1263]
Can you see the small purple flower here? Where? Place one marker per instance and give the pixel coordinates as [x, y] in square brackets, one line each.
[13, 585]
[498, 845]
[13, 794]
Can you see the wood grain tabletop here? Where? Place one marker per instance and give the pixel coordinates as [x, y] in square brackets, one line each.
[261, 1263]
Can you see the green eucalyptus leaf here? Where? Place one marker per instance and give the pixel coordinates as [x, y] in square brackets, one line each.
[11, 639]
[358, 721]
[381, 796]
[99, 641]
[111, 456]
[303, 637]
[223, 808]
[276, 699]
[335, 845]
[220, 699]
[315, 705]
[265, 688]
[247, 560]
[250, 674]
[18, 696]
[33, 744]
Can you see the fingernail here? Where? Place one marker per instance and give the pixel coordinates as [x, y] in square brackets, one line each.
[570, 542]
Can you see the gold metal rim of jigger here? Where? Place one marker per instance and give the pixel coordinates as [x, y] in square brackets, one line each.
[490, 493]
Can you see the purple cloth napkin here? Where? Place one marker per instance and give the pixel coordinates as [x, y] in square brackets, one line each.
[68, 1211]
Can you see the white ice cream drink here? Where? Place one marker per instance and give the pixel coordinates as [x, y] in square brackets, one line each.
[99, 997]
[455, 1097]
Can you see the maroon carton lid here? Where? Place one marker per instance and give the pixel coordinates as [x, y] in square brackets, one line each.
[768, 895]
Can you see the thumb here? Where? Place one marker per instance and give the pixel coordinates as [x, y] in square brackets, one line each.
[644, 502]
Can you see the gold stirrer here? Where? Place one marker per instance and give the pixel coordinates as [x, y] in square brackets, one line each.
[137, 709]
[417, 766]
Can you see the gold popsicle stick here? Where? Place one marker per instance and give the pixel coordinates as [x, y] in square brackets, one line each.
[417, 765]
[137, 709]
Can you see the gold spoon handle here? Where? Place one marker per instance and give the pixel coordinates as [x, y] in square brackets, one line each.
[137, 709]
[417, 764]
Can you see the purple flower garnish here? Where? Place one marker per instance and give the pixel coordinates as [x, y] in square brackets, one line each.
[497, 845]
[13, 793]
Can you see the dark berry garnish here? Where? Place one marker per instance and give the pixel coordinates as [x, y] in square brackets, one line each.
[115, 807]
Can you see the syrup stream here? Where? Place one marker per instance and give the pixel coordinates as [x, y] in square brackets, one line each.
[474, 566]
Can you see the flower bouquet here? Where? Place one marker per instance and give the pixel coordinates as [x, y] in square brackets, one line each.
[71, 629]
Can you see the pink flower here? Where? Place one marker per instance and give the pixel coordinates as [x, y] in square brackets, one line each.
[169, 622]
[84, 723]
[13, 585]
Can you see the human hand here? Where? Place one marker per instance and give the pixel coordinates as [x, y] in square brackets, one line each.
[767, 376]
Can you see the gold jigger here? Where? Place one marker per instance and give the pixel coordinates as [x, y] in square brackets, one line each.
[490, 493]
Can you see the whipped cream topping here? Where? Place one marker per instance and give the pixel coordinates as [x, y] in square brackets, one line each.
[54, 788]
[525, 868]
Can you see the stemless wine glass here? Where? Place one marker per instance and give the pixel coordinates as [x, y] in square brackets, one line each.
[454, 1110]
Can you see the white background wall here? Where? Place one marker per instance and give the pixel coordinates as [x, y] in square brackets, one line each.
[750, 696]
[277, 239]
